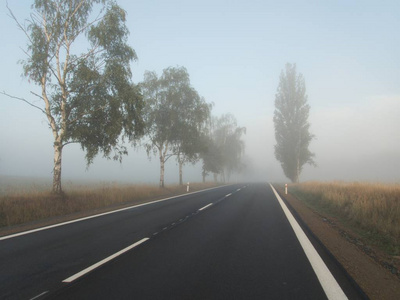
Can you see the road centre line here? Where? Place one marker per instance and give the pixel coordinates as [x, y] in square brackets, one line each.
[96, 265]
[40, 295]
[325, 277]
[204, 207]
[113, 256]
[99, 215]
[102, 262]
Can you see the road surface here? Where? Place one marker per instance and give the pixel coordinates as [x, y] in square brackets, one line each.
[232, 242]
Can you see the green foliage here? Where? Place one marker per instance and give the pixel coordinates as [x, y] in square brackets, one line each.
[191, 127]
[225, 148]
[175, 113]
[212, 157]
[291, 124]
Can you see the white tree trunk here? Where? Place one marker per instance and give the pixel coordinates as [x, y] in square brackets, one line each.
[162, 169]
[180, 162]
[57, 168]
[180, 173]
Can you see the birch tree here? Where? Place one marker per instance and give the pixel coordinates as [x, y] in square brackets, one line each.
[188, 143]
[174, 114]
[160, 119]
[87, 95]
[291, 124]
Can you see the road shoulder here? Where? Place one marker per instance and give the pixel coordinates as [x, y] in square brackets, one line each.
[376, 281]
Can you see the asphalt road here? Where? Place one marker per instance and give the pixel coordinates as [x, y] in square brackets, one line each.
[233, 242]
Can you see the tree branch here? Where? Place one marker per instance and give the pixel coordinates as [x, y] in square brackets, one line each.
[26, 101]
[167, 156]
[70, 142]
[19, 25]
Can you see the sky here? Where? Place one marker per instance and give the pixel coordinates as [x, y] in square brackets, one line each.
[348, 52]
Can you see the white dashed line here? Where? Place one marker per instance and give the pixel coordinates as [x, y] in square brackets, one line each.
[102, 262]
[40, 295]
[204, 207]
[226, 196]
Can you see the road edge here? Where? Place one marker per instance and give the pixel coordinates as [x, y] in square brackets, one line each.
[322, 246]
[96, 215]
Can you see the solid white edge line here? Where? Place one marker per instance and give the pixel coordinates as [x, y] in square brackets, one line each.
[325, 277]
[102, 262]
[204, 207]
[99, 215]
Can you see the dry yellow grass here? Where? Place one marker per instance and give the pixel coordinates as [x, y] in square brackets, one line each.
[374, 207]
[22, 207]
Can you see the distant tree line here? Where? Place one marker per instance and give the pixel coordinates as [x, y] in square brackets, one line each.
[89, 98]
[178, 123]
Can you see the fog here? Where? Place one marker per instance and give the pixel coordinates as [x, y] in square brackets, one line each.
[234, 53]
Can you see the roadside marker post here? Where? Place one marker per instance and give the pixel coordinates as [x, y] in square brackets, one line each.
[285, 188]
[187, 189]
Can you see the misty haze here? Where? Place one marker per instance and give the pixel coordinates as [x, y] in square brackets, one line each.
[346, 54]
[138, 104]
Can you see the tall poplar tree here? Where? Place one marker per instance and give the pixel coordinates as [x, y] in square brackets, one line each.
[86, 93]
[291, 124]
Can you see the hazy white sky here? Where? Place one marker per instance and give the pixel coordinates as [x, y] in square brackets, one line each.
[348, 52]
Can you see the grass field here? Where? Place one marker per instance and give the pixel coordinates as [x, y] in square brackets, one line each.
[373, 209]
[26, 203]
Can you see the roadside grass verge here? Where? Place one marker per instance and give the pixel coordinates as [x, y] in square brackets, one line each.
[370, 209]
[23, 207]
